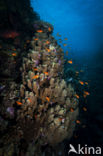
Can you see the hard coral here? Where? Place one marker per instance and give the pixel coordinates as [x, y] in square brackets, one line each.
[46, 98]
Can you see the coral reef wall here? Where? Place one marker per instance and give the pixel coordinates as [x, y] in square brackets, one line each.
[37, 104]
[48, 106]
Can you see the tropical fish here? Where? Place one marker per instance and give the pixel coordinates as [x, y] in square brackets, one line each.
[48, 49]
[86, 83]
[78, 121]
[35, 69]
[47, 42]
[58, 35]
[49, 29]
[48, 99]
[64, 45]
[72, 110]
[13, 54]
[81, 82]
[18, 103]
[77, 96]
[86, 93]
[70, 62]
[77, 72]
[46, 73]
[39, 31]
[60, 41]
[66, 39]
[85, 109]
[35, 77]
[35, 39]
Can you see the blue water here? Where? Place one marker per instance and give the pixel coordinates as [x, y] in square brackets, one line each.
[81, 21]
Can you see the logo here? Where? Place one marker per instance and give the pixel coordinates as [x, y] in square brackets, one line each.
[84, 150]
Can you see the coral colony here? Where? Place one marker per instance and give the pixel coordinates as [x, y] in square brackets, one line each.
[42, 108]
[45, 99]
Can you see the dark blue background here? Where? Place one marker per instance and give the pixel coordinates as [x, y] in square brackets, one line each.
[79, 20]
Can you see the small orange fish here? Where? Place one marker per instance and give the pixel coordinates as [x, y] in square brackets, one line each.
[48, 99]
[77, 72]
[58, 35]
[78, 121]
[86, 83]
[77, 96]
[35, 77]
[86, 93]
[29, 100]
[70, 62]
[35, 69]
[35, 39]
[64, 45]
[13, 54]
[28, 41]
[72, 110]
[81, 82]
[48, 49]
[49, 29]
[47, 42]
[66, 39]
[46, 73]
[39, 31]
[19, 103]
[85, 109]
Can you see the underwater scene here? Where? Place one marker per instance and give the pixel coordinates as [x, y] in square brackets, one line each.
[51, 77]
